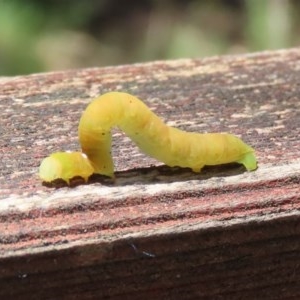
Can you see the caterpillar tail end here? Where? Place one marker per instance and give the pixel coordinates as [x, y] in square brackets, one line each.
[249, 161]
[50, 170]
[65, 166]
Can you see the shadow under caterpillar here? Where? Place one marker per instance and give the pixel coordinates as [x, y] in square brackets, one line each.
[170, 145]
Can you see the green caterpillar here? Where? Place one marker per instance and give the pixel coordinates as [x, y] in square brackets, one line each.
[170, 145]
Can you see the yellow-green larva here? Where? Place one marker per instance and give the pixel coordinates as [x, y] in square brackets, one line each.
[170, 145]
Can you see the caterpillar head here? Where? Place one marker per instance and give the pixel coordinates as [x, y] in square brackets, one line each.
[65, 165]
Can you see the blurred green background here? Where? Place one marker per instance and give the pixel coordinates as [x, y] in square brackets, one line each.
[46, 35]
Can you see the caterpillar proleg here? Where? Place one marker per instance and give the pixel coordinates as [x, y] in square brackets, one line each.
[170, 145]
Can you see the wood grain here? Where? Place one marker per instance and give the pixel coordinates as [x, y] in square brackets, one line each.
[155, 232]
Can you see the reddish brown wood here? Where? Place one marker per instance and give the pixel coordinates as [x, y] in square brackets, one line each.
[156, 232]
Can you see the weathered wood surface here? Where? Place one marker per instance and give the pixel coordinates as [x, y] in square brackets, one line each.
[156, 232]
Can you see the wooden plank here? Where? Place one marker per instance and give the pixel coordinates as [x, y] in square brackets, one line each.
[156, 232]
